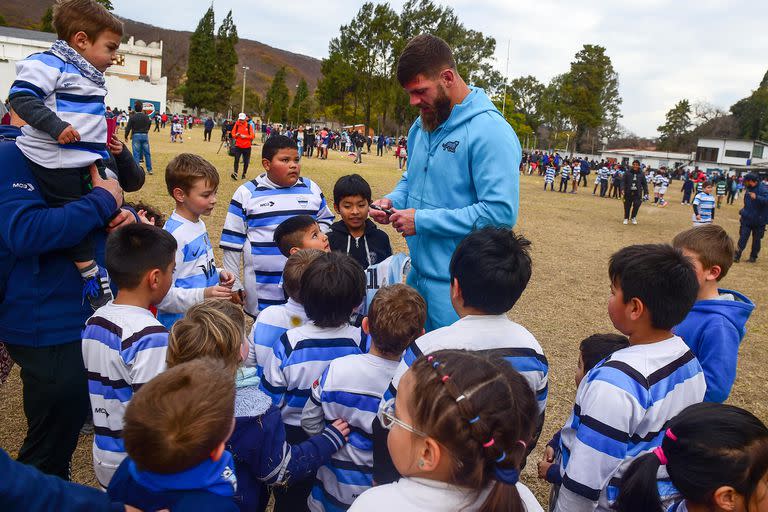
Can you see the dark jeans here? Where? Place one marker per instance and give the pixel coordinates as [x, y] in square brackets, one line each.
[563, 185]
[634, 203]
[582, 177]
[603, 188]
[140, 146]
[687, 196]
[56, 403]
[207, 134]
[293, 497]
[246, 154]
[757, 233]
[379, 150]
[730, 197]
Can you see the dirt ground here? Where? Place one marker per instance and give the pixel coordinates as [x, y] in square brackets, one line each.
[573, 237]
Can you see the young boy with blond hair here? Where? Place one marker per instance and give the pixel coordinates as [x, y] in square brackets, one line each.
[60, 94]
[352, 387]
[715, 326]
[175, 432]
[123, 344]
[192, 182]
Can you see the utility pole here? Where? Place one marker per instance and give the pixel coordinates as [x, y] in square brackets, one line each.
[506, 79]
[242, 105]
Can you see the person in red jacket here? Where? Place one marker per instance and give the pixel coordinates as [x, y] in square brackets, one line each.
[243, 135]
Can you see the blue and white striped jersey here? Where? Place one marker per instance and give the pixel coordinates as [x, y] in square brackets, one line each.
[195, 268]
[603, 174]
[350, 388]
[706, 205]
[272, 323]
[75, 99]
[256, 209]
[123, 348]
[299, 358]
[565, 172]
[663, 184]
[622, 409]
[549, 175]
[485, 333]
[576, 173]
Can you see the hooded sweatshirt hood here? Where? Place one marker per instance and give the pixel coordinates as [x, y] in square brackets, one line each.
[370, 248]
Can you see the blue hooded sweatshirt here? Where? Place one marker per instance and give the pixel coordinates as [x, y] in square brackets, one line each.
[713, 330]
[462, 176]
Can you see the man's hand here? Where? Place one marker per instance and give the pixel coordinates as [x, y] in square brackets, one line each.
[404, 221]
[226, 279]
[217, 292]
[378, 215]
[753, 195]
[111, 186]
[115, 146]
[68, 135]
[123, 218]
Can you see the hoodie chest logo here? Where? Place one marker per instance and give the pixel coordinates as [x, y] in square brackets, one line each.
[303, 201]
[451, 146]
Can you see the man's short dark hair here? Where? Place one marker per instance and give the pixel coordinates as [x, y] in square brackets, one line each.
[660, 276]
[493, 267]
[136, 249]
[425, 55]
[274, 144]
[597, 347]
[138, 106]
[288, 234]
[349, 186]
[331, 288]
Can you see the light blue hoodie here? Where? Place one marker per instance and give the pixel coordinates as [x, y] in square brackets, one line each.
[462, 176]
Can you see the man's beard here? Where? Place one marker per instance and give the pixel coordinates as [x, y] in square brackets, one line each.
[441, 110]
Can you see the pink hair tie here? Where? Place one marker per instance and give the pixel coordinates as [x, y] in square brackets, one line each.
[671, 435]
[489, 443]
[430, 358]
[659, 453]
[445, 378]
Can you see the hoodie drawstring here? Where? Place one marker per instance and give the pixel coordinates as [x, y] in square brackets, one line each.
[365, 241]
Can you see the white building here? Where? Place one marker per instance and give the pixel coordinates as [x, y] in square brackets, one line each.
[136, 75]
[652, 159]
[729, 154]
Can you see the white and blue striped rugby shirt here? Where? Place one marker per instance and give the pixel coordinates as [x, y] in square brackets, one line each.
[350, 388]
[256, 209]
[272, 323]
[195, 268]
[706, 204]
[622, 410]
[74, 99]
[123, 348]
[299, 358]
[549, 174]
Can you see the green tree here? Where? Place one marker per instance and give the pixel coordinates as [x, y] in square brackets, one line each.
[301, 104]
[201, 65]
[224, 70]
[3, 23]
[46, 22]
[751, 113]
[276, 99]
[526, 93]
[253, 102]
[106, 3]
[678, 124]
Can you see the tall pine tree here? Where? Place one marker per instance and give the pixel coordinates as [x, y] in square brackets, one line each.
[199, 91]
[300, 107]
[276, 100]
[226, 61]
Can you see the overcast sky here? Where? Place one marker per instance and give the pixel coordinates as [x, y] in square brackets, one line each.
[663, 50]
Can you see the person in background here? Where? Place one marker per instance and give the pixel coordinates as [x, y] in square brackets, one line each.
[753, 217]
[208, 128]
[243, 134]
[140, 123]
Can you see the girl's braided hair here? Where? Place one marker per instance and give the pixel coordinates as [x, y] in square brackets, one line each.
[484, 413]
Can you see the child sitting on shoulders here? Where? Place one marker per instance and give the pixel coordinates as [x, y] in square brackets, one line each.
[274, 321]
[624, 404]
[192, 182]
[331, 288]
[715, 326]
[352, 387]
[460, 427]
[175, 432]
[258, 444]
[123, 344]
[355, 234]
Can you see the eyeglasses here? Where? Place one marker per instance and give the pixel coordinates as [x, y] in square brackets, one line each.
[387, 418]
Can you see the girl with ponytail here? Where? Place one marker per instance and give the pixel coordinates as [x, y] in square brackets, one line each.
[459, 431]
[717, 458]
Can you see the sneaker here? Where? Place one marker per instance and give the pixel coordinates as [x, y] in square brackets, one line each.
[752, 260]
[634, 221]
[149, 171]
[626, 221]
[737, 257]
[243, 176]
[96, 289]
[233, 176]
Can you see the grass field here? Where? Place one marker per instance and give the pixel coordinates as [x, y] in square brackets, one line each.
[573, 237]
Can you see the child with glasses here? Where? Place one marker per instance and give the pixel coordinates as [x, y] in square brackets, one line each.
[352, 386]
[460, 440]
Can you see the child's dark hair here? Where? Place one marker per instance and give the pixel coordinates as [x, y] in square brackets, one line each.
[136, 249]
[484, 413]
[707, 446]
[396, 318]
[177, 419]
[152, 212]
[288, 234]
[294, 268]
[493, 267]
[274, 144]
[660, 276]
[331, 287]
[349, 186]
[597, 347]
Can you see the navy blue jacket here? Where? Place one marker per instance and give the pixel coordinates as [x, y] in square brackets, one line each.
[26, 488]
[755, 211]
[43, 303]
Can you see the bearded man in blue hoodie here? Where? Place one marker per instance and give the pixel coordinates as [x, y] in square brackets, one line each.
[462, 170]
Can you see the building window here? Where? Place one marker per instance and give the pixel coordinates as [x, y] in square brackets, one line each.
[706, 154]
[143, 68]
[732, 153]
[757, 152]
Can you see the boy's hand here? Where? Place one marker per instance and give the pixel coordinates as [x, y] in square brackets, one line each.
[343, 427]
[68, 135]
[226, 279]
[549, 455]
[543, 468]
[115, 146]
[217, 292]
[238, 297]
[144, 219]
[378, 215]
[111, 186]
[698, 217]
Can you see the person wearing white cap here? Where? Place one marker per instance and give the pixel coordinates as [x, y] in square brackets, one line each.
[243, 134]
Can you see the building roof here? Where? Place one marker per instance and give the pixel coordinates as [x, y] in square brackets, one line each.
[648, 153]
[756, 141]
[34, 35]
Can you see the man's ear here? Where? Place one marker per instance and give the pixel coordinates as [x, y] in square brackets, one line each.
[448, 76]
